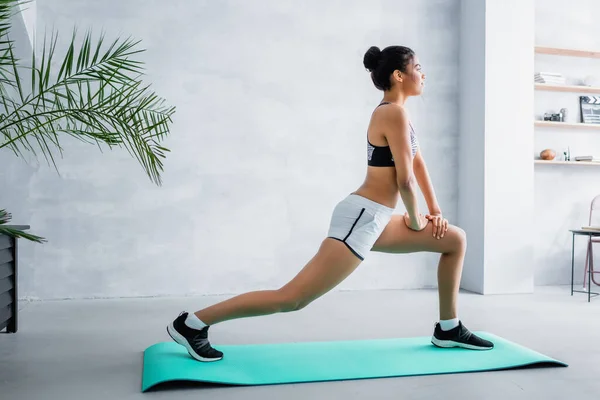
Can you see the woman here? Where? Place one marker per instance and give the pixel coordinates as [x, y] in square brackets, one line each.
[363, 222]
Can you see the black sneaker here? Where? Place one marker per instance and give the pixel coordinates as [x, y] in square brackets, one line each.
[194, 340]
[459, 336]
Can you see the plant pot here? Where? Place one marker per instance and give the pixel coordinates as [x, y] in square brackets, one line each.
[9, 267]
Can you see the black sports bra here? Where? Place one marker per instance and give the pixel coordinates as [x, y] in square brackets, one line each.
[381, 156]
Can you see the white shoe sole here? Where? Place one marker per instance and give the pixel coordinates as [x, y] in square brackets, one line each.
[181, 340]
[451, 343]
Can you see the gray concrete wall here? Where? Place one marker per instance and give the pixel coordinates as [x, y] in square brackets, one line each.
[272, 108]
[471, 141]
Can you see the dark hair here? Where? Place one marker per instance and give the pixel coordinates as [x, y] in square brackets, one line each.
[381, 64]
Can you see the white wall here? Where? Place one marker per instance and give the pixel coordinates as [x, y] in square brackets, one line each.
[509, 173]
[272, 107]
[496, 168]
[563, 193]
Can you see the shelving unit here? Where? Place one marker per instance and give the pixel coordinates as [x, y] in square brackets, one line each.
[567, 88]
[556, 51]
[567, 52]
[578, 163]
[568, 125]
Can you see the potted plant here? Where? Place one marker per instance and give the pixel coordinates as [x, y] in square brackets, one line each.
[96, 95]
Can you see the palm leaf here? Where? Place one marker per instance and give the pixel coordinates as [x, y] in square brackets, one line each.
[8, 8]
[96, 96]
[5, 217]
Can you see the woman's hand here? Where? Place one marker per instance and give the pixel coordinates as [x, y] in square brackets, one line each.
[440, 224]
[419, 226]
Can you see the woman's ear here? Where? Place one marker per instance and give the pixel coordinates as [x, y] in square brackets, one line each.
[398, 75]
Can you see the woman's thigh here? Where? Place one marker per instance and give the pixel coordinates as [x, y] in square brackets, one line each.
[398, 238]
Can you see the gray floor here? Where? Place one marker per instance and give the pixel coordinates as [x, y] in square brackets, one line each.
[93, 349]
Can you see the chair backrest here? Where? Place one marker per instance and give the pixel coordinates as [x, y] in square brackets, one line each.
[595, 206]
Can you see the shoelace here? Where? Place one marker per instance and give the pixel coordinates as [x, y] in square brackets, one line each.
[201, 343]
[199, 340]
[465, 333]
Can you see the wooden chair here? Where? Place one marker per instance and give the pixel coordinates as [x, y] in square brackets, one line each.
[589, 257]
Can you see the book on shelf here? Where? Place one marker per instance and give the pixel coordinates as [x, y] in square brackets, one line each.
[591, 228]
[549, 77]
[587, 158]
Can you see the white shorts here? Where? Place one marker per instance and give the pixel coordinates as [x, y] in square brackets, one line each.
[358, 222]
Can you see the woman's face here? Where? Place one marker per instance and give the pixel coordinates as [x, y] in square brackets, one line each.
[413, 79]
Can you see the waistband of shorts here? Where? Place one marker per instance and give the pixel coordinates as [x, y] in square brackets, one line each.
[369, 204]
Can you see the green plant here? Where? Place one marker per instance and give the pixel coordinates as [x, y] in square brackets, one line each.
[5, 217]
[96, 96]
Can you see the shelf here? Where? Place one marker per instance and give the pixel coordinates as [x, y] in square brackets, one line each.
[589, 163]
[567, 88]
[569, 125]
[567, 52]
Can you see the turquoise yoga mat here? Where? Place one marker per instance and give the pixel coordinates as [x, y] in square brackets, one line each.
[264, 364]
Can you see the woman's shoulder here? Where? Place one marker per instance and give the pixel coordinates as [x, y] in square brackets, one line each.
[393, 115]
[391, 111]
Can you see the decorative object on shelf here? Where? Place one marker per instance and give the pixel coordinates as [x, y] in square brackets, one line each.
[590, 109]
[567, 154]
[587, 159]
[563, 114]
[549, 77]
[553, 117]
[548, 154]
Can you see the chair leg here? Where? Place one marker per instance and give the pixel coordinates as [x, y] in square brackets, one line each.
[587, 255]
[592, 264]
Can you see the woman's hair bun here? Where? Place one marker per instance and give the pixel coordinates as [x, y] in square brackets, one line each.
[372, 58]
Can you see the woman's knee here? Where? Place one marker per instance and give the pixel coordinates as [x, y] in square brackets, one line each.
[288, 301]
[458, 238]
